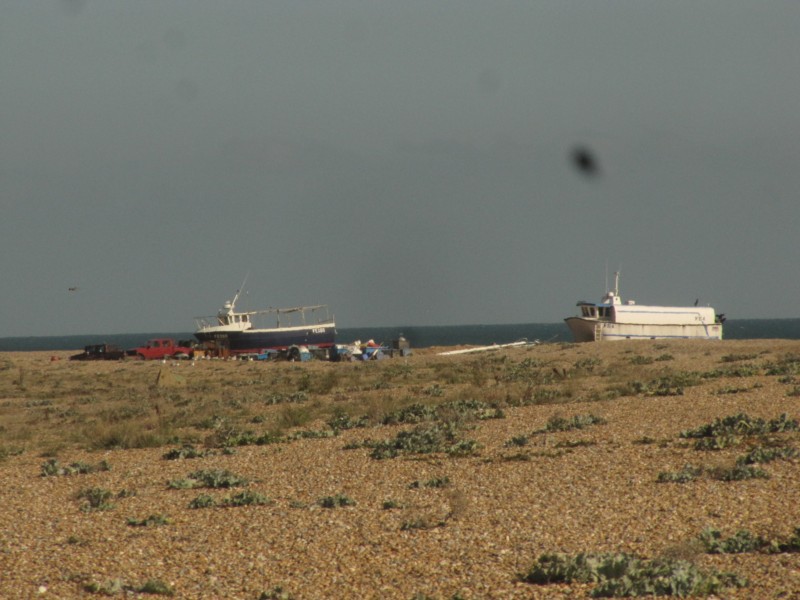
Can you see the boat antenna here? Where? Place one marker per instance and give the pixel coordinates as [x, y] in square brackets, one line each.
[239, 291]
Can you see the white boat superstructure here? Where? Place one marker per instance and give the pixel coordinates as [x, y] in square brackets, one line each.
[611, 319]
[226, 320]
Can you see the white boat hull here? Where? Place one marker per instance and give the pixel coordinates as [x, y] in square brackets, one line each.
[593, 330]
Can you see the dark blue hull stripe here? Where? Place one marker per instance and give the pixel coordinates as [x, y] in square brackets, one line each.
[255, 341]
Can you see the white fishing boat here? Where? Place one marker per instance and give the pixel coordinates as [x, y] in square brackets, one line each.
[237, 332]
[611, 319]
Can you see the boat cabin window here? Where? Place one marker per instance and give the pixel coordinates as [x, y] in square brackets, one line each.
[594, 312]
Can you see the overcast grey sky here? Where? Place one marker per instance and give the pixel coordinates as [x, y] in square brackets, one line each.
[405, 162]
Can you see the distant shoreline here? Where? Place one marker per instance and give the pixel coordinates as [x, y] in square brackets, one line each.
[419, 336]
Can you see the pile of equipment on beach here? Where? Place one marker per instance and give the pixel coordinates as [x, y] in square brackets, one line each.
[357, 351]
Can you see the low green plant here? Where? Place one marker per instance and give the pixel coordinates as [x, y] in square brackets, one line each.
[641, 360]
[203, 501]
[791, 544]
[516, 457]
[556, 423]
[670, 385]
[742, 424]
[737, 357]
[229, 437]
[528, 370]
[742, 541]
[421, 522]
[392, 505]
[112, 587]
[6, 451]
[96, 499]
[312, 434]
[731, 389]
[436, 482]
[539, 395]
[215, 478]
[151, 521]
[276, 593]
[663, 387]
[52, 468]
[458, 410]
[433, 390]
[746, 370]
[582, 568]
[277, 398]
[246, 498]
[463, 448]
[125, 435]
[469, 410]
[440, 437]
[760, 454]
[518, 441]
[296, 414]
[719, 442]
[415, 413]
[686, 474]
[620, 575]
[575, 443]
[74, 540]
[738, 472]
[186, 451]
[342, 421]
[156, 587]
[336, 501]
[183, 484]
[645, 440]
[358, 444]
[587, 364]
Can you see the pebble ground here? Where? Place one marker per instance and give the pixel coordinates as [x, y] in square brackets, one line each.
[588, 490]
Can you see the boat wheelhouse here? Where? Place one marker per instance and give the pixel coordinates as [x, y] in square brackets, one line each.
[611, 319]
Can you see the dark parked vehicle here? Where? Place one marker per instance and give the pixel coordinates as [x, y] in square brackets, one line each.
[100, 352]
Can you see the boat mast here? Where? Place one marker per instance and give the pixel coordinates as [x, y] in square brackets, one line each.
[239, 291]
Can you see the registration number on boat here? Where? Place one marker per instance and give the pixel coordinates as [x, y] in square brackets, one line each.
[318, 330]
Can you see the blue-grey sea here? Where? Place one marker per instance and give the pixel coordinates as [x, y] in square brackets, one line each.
[418, 336]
